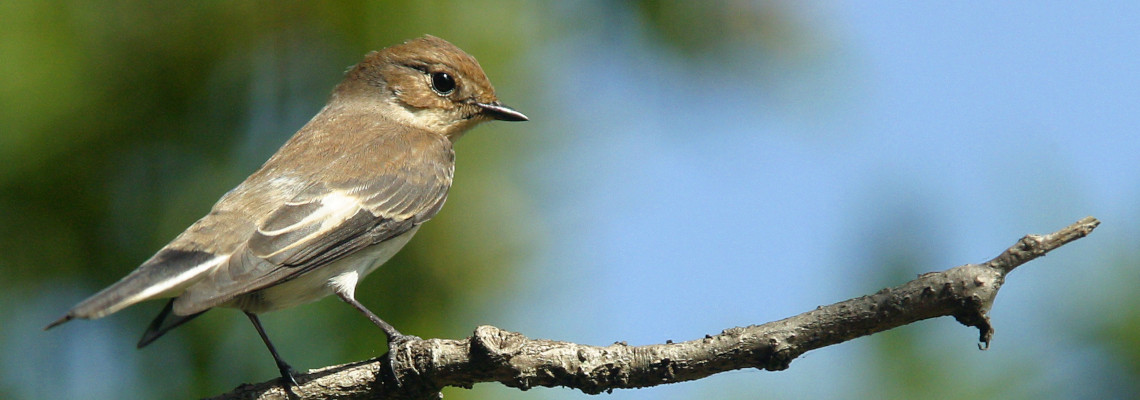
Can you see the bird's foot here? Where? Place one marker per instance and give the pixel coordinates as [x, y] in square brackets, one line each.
[287, 373]
[396, 342]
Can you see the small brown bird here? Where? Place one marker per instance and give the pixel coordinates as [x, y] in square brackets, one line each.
[342, 196]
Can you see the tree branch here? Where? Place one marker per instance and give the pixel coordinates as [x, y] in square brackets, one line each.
[494, 355]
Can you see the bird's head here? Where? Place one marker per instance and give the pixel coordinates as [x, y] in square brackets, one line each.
[427, 83]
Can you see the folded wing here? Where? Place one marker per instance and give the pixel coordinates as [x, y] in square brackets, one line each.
[319, 226]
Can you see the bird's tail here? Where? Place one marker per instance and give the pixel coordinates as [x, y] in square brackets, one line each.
[164, 275]
[164, 322]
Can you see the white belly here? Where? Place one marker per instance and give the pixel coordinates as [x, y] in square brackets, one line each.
[314, 285]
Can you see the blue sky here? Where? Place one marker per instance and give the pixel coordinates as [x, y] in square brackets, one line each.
[681, 198]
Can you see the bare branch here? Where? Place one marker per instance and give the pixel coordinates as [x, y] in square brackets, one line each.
[494, 355]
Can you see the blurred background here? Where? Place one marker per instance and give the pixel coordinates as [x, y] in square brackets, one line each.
[688, 167]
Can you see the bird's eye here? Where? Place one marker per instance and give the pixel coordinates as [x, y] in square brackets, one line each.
[442, 83]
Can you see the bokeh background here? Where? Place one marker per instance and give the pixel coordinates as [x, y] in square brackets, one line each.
[689, 167]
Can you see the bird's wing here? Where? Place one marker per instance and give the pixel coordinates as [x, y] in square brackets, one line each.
[320, 225]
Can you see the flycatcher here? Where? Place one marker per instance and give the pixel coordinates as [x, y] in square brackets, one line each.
[342, 196]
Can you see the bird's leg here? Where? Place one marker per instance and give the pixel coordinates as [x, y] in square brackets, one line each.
[286, 371]
[393, 334]
[395, 338]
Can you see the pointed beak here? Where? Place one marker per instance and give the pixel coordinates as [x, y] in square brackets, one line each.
[501, 112]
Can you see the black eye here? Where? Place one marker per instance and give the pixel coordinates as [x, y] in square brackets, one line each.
[442, 83]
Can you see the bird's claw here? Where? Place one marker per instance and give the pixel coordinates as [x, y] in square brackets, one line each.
[395, 343]
[288, 374]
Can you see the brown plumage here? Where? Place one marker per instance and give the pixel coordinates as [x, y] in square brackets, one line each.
[343, 195]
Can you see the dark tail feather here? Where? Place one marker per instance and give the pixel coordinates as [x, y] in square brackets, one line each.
[59, 321]
[164, 322]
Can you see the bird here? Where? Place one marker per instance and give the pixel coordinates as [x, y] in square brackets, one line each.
[336, 201]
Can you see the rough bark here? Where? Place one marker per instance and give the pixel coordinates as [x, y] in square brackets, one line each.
[494, 355]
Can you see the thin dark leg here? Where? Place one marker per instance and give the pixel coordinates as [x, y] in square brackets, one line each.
[395, 338]
[286, 370]
[393, 334]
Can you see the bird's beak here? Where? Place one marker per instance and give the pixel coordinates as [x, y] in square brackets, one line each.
[501, 112]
